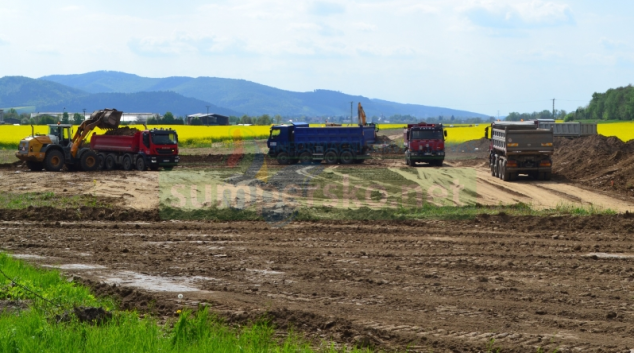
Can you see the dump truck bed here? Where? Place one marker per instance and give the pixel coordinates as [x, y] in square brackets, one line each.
[114, 143]
[523, 139]
[574, 129]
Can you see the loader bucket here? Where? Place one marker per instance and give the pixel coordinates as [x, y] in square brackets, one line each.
[111, 119]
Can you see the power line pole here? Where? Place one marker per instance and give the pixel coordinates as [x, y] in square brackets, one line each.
[553, 108]
[351, 122]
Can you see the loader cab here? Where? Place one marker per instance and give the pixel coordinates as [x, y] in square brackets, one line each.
[60, 134]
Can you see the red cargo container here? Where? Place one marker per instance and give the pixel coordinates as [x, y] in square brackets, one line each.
[145, 149]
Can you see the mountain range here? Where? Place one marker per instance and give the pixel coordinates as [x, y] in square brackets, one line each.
[187, 95]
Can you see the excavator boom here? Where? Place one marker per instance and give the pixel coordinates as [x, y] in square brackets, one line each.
[104, 119]
[361, 115]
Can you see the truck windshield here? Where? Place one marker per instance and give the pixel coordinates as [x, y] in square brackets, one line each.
[275, 133]
[164, 138]
[427, 135]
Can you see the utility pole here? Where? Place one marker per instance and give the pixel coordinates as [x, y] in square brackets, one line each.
[84, 113]
[207, 117]
[553, 108]
[351, 121]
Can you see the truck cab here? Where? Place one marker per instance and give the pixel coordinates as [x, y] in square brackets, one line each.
[424, 143]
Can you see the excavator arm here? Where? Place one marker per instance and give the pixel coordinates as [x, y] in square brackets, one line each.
[103, 119]
[361, 115]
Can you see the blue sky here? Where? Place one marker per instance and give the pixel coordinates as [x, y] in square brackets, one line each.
[482, 56]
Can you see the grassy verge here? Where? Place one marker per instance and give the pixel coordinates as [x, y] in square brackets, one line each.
[365, 213]
[15, 201]
[36, 330]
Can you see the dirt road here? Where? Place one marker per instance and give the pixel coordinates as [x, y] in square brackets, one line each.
[524, 282]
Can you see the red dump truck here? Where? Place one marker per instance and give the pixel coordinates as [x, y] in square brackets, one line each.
[424, 143]
[140, 150]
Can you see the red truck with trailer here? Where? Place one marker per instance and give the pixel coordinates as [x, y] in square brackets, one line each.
[424, 143]
[142, 150]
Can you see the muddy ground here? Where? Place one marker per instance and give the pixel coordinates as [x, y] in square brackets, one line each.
[446, 286]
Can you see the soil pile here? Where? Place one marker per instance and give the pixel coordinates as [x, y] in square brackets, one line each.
[604, 163]
[122, 131]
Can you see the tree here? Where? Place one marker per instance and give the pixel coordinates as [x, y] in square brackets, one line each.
[245, 119]
[234, 120]
[168, 119]
[263, 120]
[45, 120]
[65, 118]
[195, 121]
[78, 119]
[278, 119]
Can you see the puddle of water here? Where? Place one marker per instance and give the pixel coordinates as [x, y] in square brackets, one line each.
[150, 283]
[76, 267]
[266, 272]
[27, 256]
[603, 255]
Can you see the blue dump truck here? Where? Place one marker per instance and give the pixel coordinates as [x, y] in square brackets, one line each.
[299, 143]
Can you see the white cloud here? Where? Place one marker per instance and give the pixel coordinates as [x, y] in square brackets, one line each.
[326, 8]
[365, 27]
[181, 44]
[612, 45]
[518, 14]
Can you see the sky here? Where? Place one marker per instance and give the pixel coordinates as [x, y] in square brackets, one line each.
[485, 56]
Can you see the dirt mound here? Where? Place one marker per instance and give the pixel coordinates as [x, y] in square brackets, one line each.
[122, 131]
[79, 214]
[599, 162]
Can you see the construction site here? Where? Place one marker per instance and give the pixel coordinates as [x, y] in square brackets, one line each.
[522, 266]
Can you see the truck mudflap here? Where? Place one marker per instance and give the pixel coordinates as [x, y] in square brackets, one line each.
[162, 161]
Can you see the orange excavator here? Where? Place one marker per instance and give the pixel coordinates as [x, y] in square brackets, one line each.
[58, 148]
[361, 115]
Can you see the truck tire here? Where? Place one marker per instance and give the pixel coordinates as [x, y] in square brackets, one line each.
[347, 157]
[54, 161]
[140, 164]
[101, 159]
[547, 175]
[331, 157]
[111, 162]
[305, 157]
[506, 175]
[283, 158]
[359, 160]
[35, 166]
[89, 161]
[127, 163]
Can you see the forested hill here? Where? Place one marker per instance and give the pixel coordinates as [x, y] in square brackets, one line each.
[250, 97]
[615, 104]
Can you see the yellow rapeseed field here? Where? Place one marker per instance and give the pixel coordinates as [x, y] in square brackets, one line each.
[203, 136]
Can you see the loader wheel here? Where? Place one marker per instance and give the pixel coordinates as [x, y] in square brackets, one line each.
[110, 162]
[89, 161]
[54, 161]
[330, 157]
[547, 175]
[305, 157]
[35, 166]
[127, 163]
[347, 157]
[140, 164]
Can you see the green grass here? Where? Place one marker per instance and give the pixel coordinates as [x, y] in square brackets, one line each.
[36, 330]
[364, 213]
[47, 199]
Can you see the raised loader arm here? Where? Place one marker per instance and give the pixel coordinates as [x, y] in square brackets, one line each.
[103, 119]
[361, 115]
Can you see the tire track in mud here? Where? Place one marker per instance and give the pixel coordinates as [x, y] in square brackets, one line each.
[525, 282]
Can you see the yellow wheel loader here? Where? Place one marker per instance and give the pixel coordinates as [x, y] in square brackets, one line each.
[60, 147]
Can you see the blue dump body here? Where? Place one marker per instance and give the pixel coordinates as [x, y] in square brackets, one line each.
[334, 144]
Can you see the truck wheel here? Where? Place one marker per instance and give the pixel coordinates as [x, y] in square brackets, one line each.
[359, 160]
[283, 158]
[127, 163]
[305, 157]
[546, 175]
[35, 166]
[140, 164]
[101, 160]
[110, 162]
[439, 163]
[54, 161]
[89, 161]
[506, 176]
[347, 157]
[331, 157]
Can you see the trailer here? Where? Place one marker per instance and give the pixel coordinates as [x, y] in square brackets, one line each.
[142, 150]
[569, 129]
[299, 143]
[520, 148]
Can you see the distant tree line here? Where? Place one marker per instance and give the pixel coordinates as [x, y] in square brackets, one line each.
[169, 119]
[545, 114]
[409, 119]
[615, 104]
